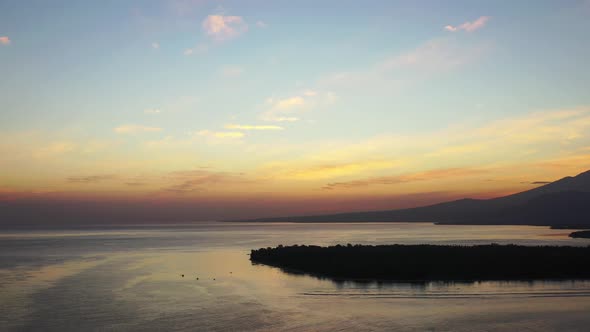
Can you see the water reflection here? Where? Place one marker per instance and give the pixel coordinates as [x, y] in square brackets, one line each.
[131, 280]
[445, 288]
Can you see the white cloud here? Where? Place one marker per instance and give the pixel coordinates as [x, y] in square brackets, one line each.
[134, 129]
[261, 24]
[435, 54]
[280, 108]
[152, 111]
[231, 71]
[331, 98]
[285, 109]
[199, 49]
[155, 45]
[289, 103]
[196, 138]
[469, 26]
[397, 71]
[4, 40]
[283, 119]
[252, 127]
[221, 27]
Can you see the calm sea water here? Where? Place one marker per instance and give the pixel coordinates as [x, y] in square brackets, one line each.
[129, 279]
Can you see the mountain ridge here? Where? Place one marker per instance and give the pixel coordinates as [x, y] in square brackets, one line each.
[559, 203]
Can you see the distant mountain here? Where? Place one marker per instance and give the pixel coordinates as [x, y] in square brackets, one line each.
[561, 203]
[580, 183]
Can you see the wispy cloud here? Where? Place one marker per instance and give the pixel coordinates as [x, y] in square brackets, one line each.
[435, 174]
[540, 182]
[90, 179]
[155, 45]
[134, 129]
[252, 127]
[4, 40]
[185, 7]
[269, 117]
[279, 110]
[469, 26]
[221, 134]
[201, 180]
[261, 24]
[232, 71]
[221, 28]
[152, 111]
[286, 109]
[199, 49]
[434, 55]
[333, 170]
[514, 148]
[135, 184]
[288, 103]
[397, 71]
[55, 149]
[234, 134]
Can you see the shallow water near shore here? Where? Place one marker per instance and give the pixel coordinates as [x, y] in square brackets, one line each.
[130, 278]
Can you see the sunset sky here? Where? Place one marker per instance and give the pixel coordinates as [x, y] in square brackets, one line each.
[258, 108]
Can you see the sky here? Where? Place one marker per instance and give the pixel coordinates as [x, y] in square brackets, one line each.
[260, 108]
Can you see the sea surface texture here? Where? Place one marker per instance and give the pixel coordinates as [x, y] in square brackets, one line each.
[130, 279]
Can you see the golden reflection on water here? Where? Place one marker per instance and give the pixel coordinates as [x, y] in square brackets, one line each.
[130, 285]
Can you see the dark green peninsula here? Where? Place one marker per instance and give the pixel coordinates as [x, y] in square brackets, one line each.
[430, 262]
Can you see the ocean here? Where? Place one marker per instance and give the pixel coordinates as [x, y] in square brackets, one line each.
[130, 278]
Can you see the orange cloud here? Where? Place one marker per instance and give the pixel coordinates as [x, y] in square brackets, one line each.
[221, 27]
[327, 171]
[4, 40]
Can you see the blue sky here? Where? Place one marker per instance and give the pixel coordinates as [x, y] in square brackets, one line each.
[273, 91]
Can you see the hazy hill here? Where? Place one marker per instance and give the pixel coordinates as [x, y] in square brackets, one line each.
[580, 183]
[560, 203]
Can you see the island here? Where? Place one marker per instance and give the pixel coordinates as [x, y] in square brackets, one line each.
[429, 262]
[581, 234]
